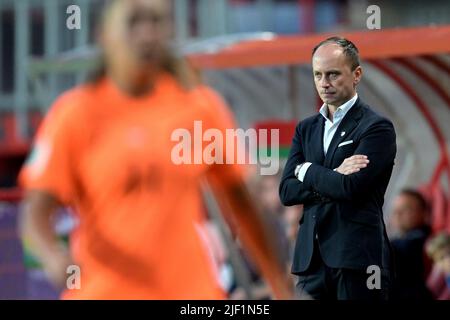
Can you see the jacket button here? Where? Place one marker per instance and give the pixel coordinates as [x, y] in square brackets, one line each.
[317, 236]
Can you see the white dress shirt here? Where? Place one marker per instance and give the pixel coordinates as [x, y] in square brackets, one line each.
[329, 129]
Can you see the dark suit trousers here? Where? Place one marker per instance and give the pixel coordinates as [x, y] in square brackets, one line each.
[321, 282]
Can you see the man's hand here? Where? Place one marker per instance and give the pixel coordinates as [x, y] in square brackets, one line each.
[353, 164]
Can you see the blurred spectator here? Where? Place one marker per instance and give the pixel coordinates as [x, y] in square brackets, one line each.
[265, 191]
[409, 218]
[274, 211]
[285, 224]
[292, 216]
[436, 284]
[438, 249]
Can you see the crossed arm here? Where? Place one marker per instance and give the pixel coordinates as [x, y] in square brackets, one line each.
[291, 190]
[377, 144]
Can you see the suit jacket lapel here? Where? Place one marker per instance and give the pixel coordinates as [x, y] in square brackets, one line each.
[317, 140]
[347, 124]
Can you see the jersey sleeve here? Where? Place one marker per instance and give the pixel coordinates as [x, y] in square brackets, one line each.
[235, 158]
[51, 164]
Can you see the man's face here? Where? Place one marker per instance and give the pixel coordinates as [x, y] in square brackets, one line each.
[334, 80]
[407, 213]
[136, 33]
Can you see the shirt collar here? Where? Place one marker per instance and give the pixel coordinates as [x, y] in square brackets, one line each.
[341, 111]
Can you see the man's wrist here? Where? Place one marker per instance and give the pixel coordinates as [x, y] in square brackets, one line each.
[297, 169]
[300, 170]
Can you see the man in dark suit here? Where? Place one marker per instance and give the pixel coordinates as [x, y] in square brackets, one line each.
[339, 167]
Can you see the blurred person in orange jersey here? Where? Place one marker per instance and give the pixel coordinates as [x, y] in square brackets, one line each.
[105, 149]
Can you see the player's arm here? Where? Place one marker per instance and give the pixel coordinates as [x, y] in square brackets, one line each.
[36, 225]
[253, 231]
[48, 180]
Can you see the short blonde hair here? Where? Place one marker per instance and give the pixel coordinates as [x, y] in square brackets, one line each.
[439, 242]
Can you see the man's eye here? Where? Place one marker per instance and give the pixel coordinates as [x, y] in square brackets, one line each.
[333, 75]
[317, 76]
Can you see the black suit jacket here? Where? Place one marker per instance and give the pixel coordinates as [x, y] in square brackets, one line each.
[343, 212]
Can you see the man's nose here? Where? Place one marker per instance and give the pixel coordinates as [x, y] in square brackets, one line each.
[324, 83]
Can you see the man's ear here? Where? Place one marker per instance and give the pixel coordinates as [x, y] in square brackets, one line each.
[357, 75]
